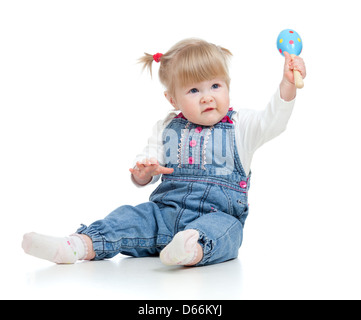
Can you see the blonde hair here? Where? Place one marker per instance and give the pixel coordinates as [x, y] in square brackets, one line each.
[190, 61]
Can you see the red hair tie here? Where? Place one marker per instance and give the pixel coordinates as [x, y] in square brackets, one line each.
[157, 56]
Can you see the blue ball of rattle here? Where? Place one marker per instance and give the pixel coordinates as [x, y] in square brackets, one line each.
[289, 40]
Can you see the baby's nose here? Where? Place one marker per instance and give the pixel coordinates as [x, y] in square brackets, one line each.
[207, 99]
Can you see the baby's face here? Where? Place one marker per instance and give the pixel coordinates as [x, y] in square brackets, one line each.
[204, 103]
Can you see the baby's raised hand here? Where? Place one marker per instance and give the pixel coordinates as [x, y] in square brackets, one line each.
[293, 63]
[146, 169]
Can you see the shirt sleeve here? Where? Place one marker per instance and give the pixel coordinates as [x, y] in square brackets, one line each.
[254, 127]
[154, 148]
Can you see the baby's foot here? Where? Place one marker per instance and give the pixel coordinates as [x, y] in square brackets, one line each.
[58, 250]
[182, 250]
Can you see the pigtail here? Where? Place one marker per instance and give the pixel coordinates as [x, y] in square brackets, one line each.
[146, 61]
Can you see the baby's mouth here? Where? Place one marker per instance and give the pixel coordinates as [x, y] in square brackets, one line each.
[208, 109]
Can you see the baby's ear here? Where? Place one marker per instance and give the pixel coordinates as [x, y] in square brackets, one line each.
[171, 100]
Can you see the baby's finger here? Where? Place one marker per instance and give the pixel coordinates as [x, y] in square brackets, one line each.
[134, 171]
[299, 65]
[153, 161]
[139, 165]
[288, 59]
[287, 56]
[168, 170]
[144, 162]
[149, 162]
[165, 170]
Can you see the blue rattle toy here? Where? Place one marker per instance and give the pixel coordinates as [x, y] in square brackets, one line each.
[289, 40]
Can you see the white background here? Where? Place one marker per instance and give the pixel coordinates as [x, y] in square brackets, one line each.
[75, 109]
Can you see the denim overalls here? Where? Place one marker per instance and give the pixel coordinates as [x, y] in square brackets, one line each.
[207, 191]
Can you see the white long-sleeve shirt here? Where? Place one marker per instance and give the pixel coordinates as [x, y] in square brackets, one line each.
[252, 129]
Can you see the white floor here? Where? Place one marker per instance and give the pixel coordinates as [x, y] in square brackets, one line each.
[121, 278]
[259, 273]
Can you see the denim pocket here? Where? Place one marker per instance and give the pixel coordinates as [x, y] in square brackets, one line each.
[237, 203]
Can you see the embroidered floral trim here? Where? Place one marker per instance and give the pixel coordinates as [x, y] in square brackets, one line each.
[179, 160]
[204, 160]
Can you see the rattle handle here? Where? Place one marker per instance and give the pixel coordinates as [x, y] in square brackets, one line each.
[298, 78]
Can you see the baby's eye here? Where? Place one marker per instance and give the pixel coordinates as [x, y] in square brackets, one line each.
[215, 86]
[194, 90]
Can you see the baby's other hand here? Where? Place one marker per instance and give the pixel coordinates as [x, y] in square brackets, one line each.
[146, 169]
[293, 63]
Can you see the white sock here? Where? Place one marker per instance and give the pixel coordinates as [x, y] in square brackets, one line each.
[58, 250]
[182, 250]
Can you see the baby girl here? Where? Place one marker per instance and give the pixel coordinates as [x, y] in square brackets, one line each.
[202, 151]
